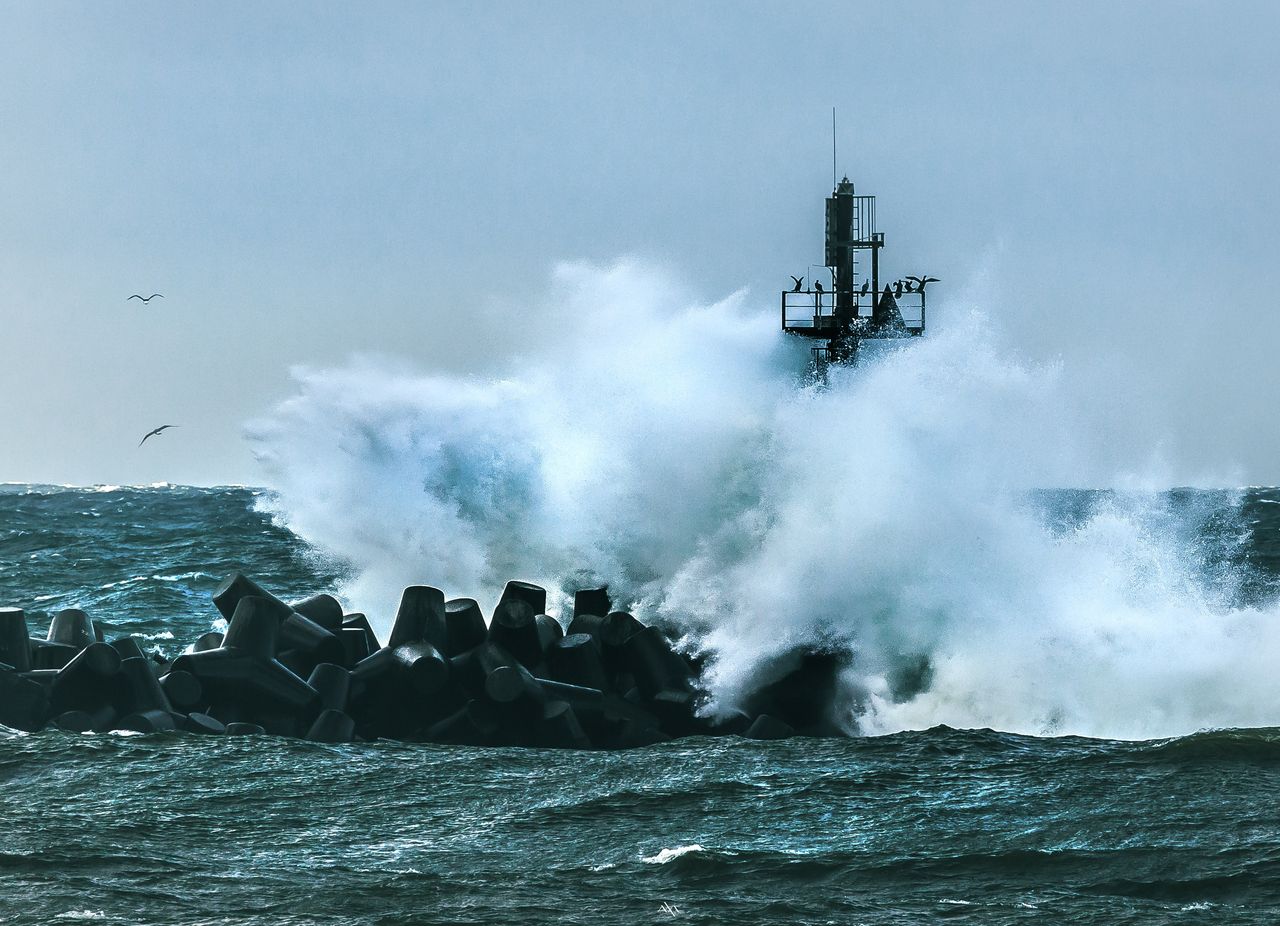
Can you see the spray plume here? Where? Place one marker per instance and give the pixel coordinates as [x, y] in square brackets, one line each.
[676, 451]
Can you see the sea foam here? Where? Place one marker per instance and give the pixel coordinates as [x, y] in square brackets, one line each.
[676, 450]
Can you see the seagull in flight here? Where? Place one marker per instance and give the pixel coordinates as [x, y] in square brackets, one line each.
[146, 299]
[155, 432]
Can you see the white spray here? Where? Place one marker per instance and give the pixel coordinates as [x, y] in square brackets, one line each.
[675, 451]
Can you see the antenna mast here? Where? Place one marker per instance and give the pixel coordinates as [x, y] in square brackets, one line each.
[834, 181]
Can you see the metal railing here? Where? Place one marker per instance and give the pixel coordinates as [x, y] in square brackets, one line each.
[813, 310]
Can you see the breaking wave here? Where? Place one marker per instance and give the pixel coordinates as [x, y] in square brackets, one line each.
[676, 450]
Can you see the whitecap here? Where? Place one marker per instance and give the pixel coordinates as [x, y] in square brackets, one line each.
[668, 855]
[132, 580]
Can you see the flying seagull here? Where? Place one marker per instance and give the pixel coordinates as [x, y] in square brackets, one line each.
[153, 433]
[146, 299]
[922, 281]
[799, 283]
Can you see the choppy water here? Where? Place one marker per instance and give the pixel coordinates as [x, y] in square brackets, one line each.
[969, 826]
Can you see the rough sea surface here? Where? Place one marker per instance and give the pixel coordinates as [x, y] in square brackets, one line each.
[938, 824]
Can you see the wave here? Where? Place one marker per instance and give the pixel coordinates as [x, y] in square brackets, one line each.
[675, 449]
[667, 855]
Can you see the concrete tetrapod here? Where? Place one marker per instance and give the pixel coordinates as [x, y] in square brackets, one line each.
[355, 645]
[128, 647]
[332, 727]
[420, 617]
[610, 682]
[535, 596]
[147, 722]
[244, 669]
[24, 704]
[325, 610]
[15, 639]
[140, 690]
[47, 655]
[653, 664]
[183, 690]
[203, 723]
[559, 728]
[474, 724]
[72, 627]
[239, 728]
[464, 626]
[333, 683]
[87, 681]
[591, 601]
[208, 641]
[576, 659]
[515, 628]
[358, 620]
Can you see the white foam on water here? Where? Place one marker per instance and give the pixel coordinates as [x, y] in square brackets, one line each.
[672, 449]
[667, 855]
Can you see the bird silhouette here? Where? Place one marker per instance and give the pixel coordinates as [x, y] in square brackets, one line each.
[897, 288]
[799, 283]
[817, 285]
[921, 281]
[155, 432]
[908, 286]
[866, 287]
[146, 299]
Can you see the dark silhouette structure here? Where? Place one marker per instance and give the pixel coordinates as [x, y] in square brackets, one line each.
[146, 299]
[606, 681]
[860, 307]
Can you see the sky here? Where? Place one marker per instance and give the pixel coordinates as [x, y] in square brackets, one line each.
[308, 181]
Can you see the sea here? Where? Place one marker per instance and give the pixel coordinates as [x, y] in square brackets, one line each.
[1061, 690]
[916, 825]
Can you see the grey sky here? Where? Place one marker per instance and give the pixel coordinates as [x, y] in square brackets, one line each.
[304, 181]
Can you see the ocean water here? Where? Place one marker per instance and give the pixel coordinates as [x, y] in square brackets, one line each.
[916, 825]
[1063, 706]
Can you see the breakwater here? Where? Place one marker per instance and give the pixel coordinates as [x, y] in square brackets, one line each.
[444, 674]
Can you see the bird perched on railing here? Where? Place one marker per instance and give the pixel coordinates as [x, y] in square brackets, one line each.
[817, 285]
[921, 281]
[866, 288]
[799, 284]
[897, 288]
